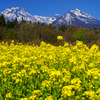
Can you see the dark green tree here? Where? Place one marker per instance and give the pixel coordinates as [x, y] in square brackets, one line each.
[10, 24]
[16, 22]
[63, 28]
[95, 28]
[2, 21]
[30, 22]
[42, 24]
[23, 21]
[38, 23]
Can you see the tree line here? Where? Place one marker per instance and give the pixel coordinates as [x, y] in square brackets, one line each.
[28, 32]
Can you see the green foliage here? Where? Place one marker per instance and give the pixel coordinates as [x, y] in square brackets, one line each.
[11, 34]
[93, 36]
[96, 31]
[26, 32]
[49, 36]
[79, 35]
[3, 32]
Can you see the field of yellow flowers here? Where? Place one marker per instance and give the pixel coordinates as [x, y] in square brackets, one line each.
[48, 72]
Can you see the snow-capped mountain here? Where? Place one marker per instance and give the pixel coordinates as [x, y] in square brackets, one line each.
[79, 18]
[12, 12]
[55, 17]
[76, 16]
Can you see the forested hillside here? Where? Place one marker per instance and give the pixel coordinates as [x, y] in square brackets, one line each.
[34, 33]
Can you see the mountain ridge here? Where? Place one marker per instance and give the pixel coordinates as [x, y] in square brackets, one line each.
[19, 12]
[79, 18]
[76, 16]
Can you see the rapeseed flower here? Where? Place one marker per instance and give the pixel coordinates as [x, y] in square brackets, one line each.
[60, 38]
[66, 44]
[73, 69]
[9, 95]
[49, 98]
[33, 97]
[24, 99]
[37, 92]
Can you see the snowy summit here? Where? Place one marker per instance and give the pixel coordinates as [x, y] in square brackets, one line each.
[12, 12]
[79, 18]
[76, 16]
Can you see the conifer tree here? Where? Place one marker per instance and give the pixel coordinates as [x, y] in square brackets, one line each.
[15, 22]
[95, 28]
[23, 21]
[2, 21]
[63, 28]
[30, 22]
[8, 23]
[38, 23]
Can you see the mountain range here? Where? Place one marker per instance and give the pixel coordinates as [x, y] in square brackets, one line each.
[76, 16]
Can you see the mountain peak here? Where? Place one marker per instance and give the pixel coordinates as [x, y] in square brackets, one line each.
[76, 11]
[57, 15]
[79, 18]
[12, 12]
[18, 12]
[76, 16]
[14, 7]
[79, 13]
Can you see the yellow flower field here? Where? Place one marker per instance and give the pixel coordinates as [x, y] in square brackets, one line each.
[48, 72]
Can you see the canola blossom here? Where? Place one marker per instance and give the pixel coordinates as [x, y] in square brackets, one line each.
[60, 38]
[48, 72]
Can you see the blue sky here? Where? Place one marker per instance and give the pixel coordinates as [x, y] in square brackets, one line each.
[49, 8]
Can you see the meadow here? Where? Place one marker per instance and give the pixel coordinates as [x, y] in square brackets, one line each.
[48, 72]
